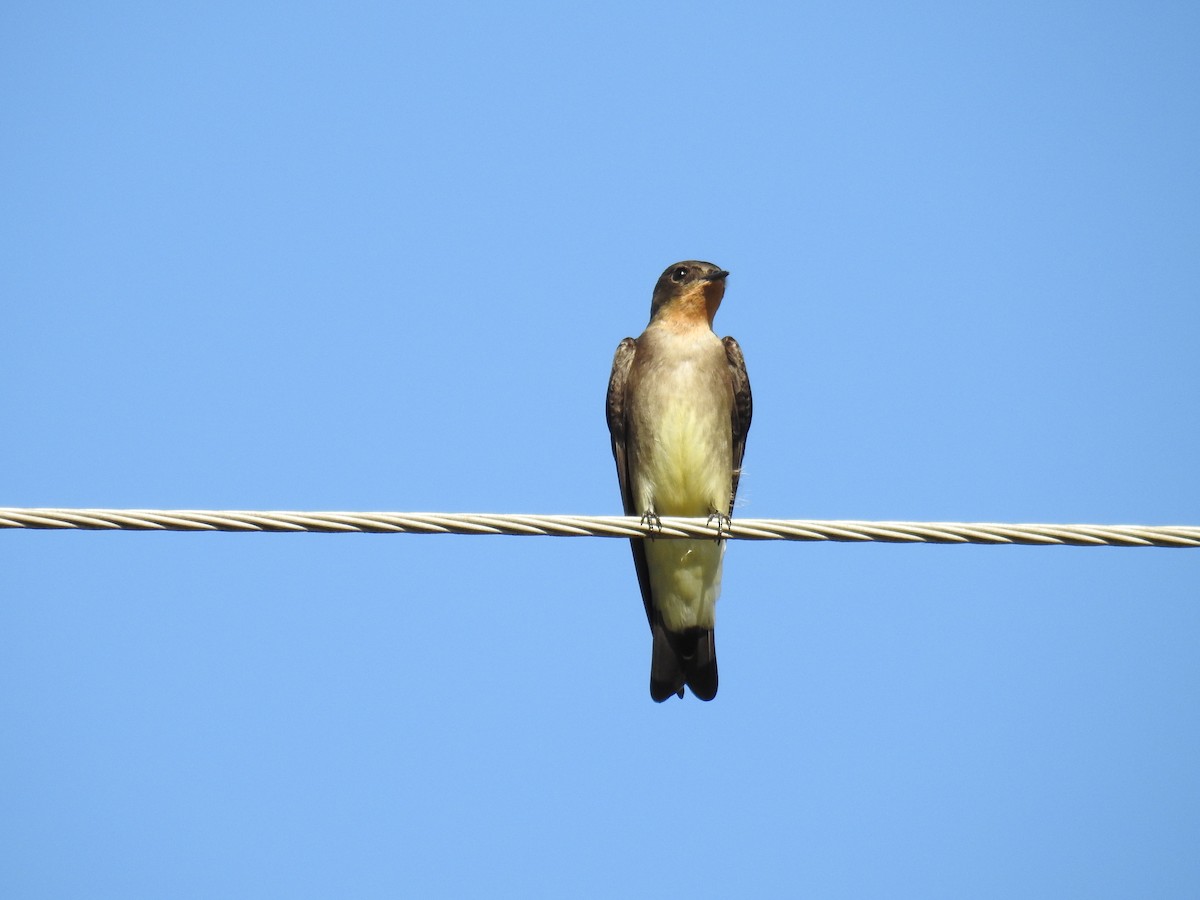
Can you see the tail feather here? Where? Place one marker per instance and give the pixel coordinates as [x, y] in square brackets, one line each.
[666, 675]
[699, 660]
[683, 657]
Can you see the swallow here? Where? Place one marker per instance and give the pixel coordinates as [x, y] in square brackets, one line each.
[678, 411]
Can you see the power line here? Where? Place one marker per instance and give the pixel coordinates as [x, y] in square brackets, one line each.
[600, 526]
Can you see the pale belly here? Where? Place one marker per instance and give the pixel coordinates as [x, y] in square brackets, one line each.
[690, 469]
[682, 454]
[684, 467]
[685, 580]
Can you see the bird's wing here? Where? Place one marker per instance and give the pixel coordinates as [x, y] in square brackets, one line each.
[618, 422]
[743, 409]
[615, 409]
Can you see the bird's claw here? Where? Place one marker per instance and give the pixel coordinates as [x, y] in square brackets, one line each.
[724, 523]
[651, 522]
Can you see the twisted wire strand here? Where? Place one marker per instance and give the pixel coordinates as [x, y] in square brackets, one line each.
[600, 526]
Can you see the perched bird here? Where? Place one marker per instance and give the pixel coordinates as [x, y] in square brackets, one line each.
[678, 412]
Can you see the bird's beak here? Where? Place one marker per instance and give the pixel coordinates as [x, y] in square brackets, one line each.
[717, 276]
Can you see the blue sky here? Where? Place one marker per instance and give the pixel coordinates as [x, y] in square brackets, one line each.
[378, 257]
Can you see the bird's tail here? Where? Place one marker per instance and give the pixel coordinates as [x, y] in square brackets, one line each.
[683, 657]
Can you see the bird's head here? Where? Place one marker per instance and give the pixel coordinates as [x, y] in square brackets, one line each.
[688, 289]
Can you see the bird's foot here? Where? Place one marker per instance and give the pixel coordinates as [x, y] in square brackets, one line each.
[724, 523]
[651, 522]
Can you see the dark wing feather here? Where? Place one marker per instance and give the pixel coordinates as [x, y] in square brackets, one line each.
[743, 409]
[618, 422]
[615, 410]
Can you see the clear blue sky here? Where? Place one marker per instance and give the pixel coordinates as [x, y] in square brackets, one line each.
[378, 257]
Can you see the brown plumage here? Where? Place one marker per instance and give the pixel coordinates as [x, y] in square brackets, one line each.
[679, 408]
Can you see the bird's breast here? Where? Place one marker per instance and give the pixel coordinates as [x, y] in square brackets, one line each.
[684, 440]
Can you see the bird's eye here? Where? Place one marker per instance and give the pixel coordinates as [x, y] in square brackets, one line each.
[679, 274]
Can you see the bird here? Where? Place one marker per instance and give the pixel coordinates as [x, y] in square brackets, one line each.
[678, 411]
